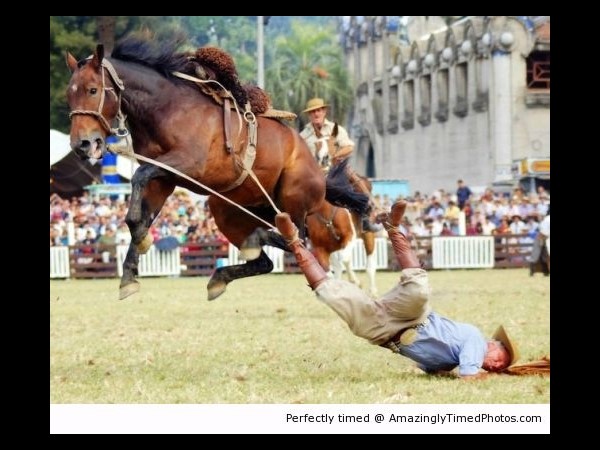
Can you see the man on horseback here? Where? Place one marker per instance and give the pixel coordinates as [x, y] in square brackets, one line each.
[320, 129]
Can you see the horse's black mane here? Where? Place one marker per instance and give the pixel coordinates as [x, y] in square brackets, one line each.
[162, 56]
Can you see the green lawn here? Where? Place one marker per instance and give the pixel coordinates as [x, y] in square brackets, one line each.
[268, 340]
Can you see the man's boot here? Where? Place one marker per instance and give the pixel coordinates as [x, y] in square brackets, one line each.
[405, 255]
[312, 270]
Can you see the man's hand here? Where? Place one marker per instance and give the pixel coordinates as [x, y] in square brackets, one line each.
[342, 153]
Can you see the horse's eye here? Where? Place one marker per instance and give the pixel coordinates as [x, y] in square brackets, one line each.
[93, 91]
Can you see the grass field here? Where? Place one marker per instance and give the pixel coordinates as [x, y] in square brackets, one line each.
[268, 340]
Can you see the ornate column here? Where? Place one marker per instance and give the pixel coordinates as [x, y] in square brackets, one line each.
[501, 107]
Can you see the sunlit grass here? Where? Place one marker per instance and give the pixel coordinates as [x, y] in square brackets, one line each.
[268, 340]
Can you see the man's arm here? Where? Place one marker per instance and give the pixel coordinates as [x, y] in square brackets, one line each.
[341, 154]
[345, 146]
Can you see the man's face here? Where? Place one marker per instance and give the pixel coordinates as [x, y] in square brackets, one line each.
[497, 357]
[317, 117]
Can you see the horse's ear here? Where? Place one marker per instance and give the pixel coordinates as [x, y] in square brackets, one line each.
[335, 130]
[71, 62]
[98, 57]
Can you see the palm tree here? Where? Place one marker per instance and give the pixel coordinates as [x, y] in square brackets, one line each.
[309, 63]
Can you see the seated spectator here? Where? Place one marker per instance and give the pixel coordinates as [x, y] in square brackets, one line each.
[452, 211]
[472, 229]
[487, 227]
[435, 210]
[446, 231]
[107, 242]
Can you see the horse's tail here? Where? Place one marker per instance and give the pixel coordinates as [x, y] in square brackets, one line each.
[339, 190]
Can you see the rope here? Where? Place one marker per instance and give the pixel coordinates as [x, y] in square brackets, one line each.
[97, 115]
[183, 175]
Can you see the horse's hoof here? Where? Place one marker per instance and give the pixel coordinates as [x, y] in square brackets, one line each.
[128, 289]
[215, 289]
[145, 244]
[249, 253]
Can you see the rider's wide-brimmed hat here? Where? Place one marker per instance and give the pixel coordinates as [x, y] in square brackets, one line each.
[315, 103]
[509, 344]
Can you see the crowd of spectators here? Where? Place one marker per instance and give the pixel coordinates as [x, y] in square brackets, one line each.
[102, 220]
[190, 221]
[490, 213]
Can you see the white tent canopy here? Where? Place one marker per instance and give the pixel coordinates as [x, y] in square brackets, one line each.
[60, 146]
[126, 167]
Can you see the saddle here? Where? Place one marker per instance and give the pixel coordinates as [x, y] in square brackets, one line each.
[212, 63]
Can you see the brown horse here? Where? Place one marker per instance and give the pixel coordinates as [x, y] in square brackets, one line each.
[172, 122]
[332, 235]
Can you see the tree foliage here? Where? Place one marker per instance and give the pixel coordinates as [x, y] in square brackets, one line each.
[302, 56]
[234, 34]
[308, 63]
[67, 33]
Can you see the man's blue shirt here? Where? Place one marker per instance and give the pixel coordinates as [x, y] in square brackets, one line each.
[443, 344]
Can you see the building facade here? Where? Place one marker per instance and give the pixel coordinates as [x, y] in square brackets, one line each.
[435, 103]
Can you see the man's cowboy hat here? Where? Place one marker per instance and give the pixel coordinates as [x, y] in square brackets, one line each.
[315, 103]
[511, 347]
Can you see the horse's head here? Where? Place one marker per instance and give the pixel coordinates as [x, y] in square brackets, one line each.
[322, 153]
[92, 109]
[325, 149]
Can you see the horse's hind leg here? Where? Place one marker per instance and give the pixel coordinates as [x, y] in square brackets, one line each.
[272, 238]
[336, 264]
[224, 275]
[258, 266]
[346, 258]
[150, 187]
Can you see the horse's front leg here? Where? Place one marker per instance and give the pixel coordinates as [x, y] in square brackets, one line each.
[150, 187]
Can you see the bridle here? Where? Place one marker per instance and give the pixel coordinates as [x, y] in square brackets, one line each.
[121, 130]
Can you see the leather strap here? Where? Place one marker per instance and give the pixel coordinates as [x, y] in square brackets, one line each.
[227, 124]
[247, 156]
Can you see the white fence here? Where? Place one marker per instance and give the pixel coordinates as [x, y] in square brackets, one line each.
[359, 256]
[275, 254]
[154, 263]
[59, 262]
[457, 252]
[470, 252]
